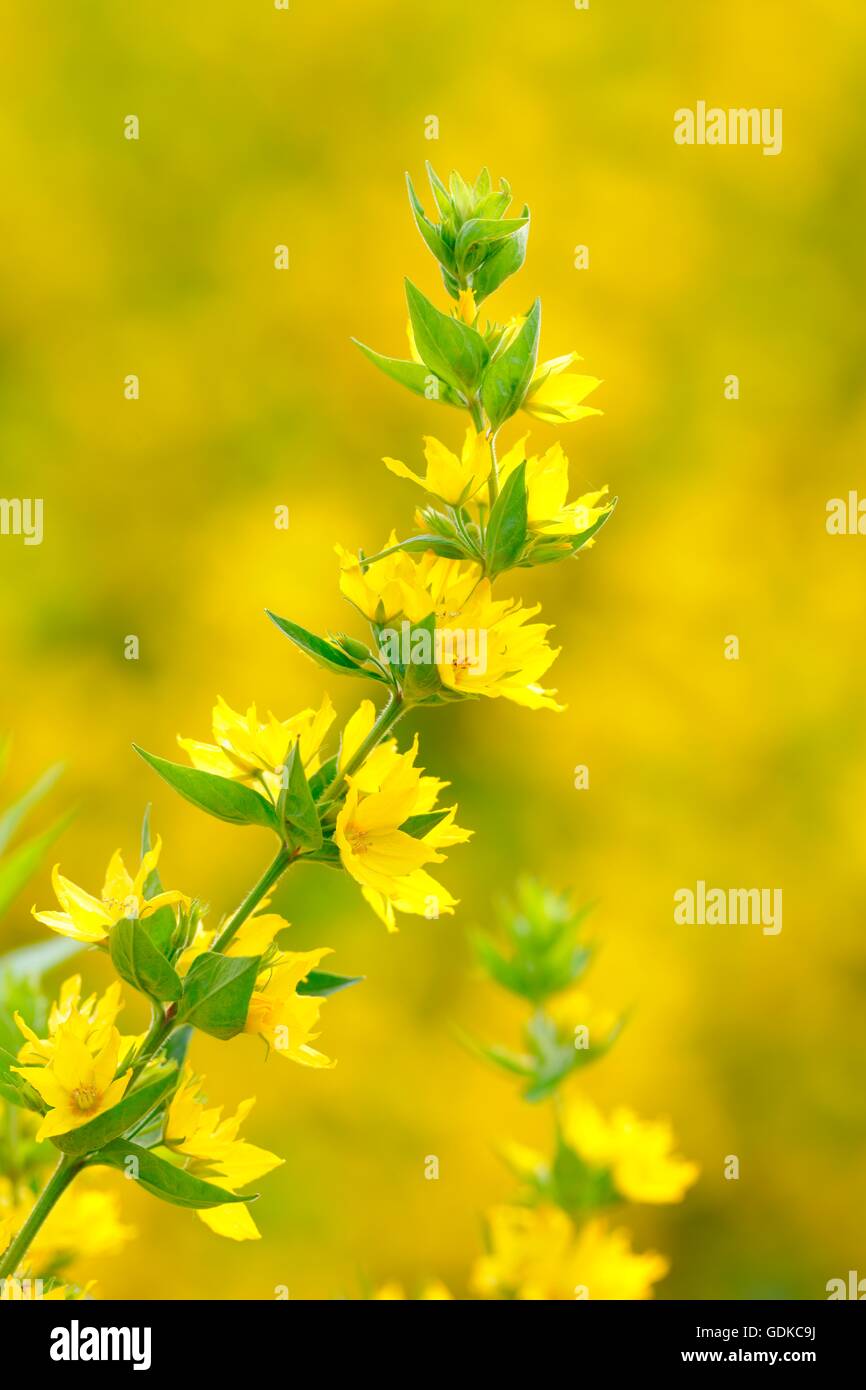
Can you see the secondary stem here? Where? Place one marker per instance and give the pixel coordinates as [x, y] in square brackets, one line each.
[259, 890]
[57, 1184]
[388, 716]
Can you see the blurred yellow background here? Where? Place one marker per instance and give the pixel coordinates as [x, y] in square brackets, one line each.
[156, 257]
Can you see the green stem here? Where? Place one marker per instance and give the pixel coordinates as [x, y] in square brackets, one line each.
[57, 1184]
[259, 890]
[388, 716]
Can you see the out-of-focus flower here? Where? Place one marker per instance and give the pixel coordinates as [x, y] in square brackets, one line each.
[454, 479]
[90, 1022]
[249, 750]
[538, 1253]
[548, 509]
[212, 1151]
[386, 792]
[507, 655]
[555, 395]
[76, 1085]
[86, 918]
[638, 1152]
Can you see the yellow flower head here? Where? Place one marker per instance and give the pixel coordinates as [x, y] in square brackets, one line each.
[76, 1085]
[555, 395]
[91, 1022]
[638, 1153]
[494, 651]
[537, 1253]
[548, 509]
[212, 1150]
[451, 478]
[386, 589]
[288, 1021]
[384, 794]
[88, 919]
[247, 750]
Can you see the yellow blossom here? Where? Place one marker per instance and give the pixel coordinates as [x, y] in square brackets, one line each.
[451, 478]
[506, 655]
[387, 588]
[548, 509]
[212, 1151]
[555, 395]
[88, 919]
[385, 792]
[288, 1021]
[254, 752]
[90, 1022]
[638, 1153]
[76, 1085]
[536, 1253]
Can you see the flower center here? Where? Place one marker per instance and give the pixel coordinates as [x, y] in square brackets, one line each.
[85, 1097]
[360, 840]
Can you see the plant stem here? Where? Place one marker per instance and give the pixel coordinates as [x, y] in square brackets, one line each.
[57, 1184]
[388, 716]
[271, 876]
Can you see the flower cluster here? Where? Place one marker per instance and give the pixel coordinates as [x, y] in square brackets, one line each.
[357, 802]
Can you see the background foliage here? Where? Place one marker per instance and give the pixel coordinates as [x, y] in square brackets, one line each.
[260, 127]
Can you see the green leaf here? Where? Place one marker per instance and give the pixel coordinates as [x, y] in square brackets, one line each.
[219, 796]
[578, 542]
[296, 808]
[483, 231]
[507, 378]
[432, 239]
[414, 376]
[14, 815]
[153, 883]
[137, 960]
[163, 1179]
[440, 545]
[121, 1117]
[321, 983]
[325, 654]
[20, 866]
[450, 348]
[421, 677]
[217, 993]
[419, 826]
[508, 525]
[507, 258]
[321, 780]
[328, 854]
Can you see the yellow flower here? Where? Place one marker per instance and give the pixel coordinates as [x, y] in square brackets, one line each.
[637, 1152]
[288, 1021]
[77, 1086]
[555, 394]
[501, 653]
[85, 1224]
[387, 588]
[86, 918]
[91, 1022]
[387, 861]
[574, 1009]
[549, 511]
[212, 1151]
[466, 309]
[452, 479]
[247, 750]
[537, 1253]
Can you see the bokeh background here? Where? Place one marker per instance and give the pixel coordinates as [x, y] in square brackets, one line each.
[260, 127]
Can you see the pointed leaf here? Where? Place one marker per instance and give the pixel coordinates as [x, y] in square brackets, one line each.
[415, 376]
[450, 348]
[140, 963]
[163, 1179]
[321, 983]
[325, 654]
[14, 815]
[217, 993]
[296, 807]
[507, 257]
[506, 380]
[508, 524]
[219, 796]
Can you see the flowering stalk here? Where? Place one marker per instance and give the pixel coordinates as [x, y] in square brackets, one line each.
[363, 806]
